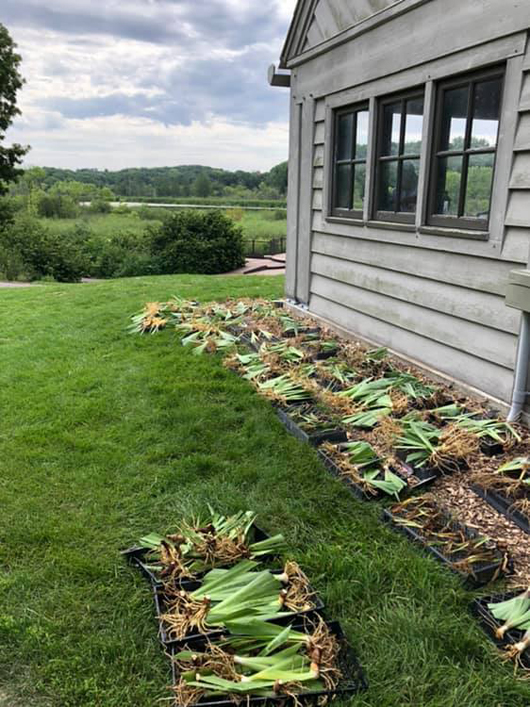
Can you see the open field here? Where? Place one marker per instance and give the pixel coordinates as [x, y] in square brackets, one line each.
[106, 436]
[264, 225]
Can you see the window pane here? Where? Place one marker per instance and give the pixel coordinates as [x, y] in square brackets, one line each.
[413, 127]
[448, 185]
[409, 186]
[454, 118]
[486, 113]
[388, 186]
[345, 137]
[391, 129]
[359, 183]
[342, 186]
[362, 135]
[479, 183]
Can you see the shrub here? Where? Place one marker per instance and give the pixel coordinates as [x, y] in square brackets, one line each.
[122, 210]
[235, 214]
[100, 206]
[12, 266]
[149, 213]
[55, 205]
[125, 254]
[197, 242]
[40, 253]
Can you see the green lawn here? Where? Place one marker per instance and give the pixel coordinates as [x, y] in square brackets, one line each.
[105, 436]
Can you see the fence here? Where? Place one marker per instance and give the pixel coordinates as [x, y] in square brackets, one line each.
[259, 247]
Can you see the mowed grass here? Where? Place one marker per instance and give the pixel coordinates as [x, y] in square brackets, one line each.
[105, 436]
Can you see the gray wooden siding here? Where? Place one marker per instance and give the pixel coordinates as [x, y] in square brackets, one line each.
[435, 299]
[518, 214]
[331, 17]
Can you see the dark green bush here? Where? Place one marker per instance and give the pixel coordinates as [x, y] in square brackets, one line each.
[55, 205]
[125, 254]
[7, 212]
[12, 266]
[100, 206]
[40, 253]
[198, 242]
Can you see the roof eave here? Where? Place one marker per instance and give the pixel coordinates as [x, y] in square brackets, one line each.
[302, 14]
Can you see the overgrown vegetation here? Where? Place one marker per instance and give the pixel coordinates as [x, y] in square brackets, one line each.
[107, 436]
[119, 245]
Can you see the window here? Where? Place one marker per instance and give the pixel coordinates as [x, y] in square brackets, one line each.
[349, 161]
[465, 144]
[398, 157]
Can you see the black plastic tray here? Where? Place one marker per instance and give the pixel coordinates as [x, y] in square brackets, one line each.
[316, 439]
[353, 683]
[483, 574]
[170, 643]
[504, 506]
[402, 455]
[425, 479]
[324, 355]
[488, 623]
[490, 447]
[302, 331]
[137, 557]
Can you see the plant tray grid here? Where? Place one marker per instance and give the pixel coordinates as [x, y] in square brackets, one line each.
[137, 556]
[425, 480]
[504, 506]
[160, 606]
[482, 573]
[315, 439]
[488, 623]
[354, 682]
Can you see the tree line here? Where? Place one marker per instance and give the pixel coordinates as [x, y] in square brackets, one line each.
[173, 182]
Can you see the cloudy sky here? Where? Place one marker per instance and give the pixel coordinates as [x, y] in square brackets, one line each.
[130, 83]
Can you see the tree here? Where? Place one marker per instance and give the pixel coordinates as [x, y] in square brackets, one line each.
[10, 83]
[32, 182]
[202, 186]
[277, 177]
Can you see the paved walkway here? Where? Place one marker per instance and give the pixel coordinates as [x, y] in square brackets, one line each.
[84, 280]
[271, 265]
[15, 284]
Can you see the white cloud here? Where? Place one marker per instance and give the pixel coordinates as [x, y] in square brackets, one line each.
[119, 142]
[150, 82]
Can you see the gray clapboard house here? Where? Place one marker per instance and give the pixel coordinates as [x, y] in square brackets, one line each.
[409, 179]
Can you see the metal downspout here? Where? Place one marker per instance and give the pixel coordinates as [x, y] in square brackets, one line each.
[521, 370]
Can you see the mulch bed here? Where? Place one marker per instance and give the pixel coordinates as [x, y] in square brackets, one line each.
[456, 495]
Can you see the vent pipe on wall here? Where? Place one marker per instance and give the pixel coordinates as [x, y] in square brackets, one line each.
[518, 297]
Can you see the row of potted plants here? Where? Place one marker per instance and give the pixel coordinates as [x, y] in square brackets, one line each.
[386, 431]
[237, 626]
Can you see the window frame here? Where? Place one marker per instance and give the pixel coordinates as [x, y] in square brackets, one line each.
[469, 80]
[408, 217]
[334, 211]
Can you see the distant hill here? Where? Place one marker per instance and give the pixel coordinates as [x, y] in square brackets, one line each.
[182, 181]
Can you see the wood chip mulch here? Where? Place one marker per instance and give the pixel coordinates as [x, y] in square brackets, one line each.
[454, 493]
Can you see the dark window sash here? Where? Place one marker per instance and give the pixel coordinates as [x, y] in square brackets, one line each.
[379, 214]
[335, 210]
[460, 221]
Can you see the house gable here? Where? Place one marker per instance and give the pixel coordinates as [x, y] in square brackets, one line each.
[316, 21]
